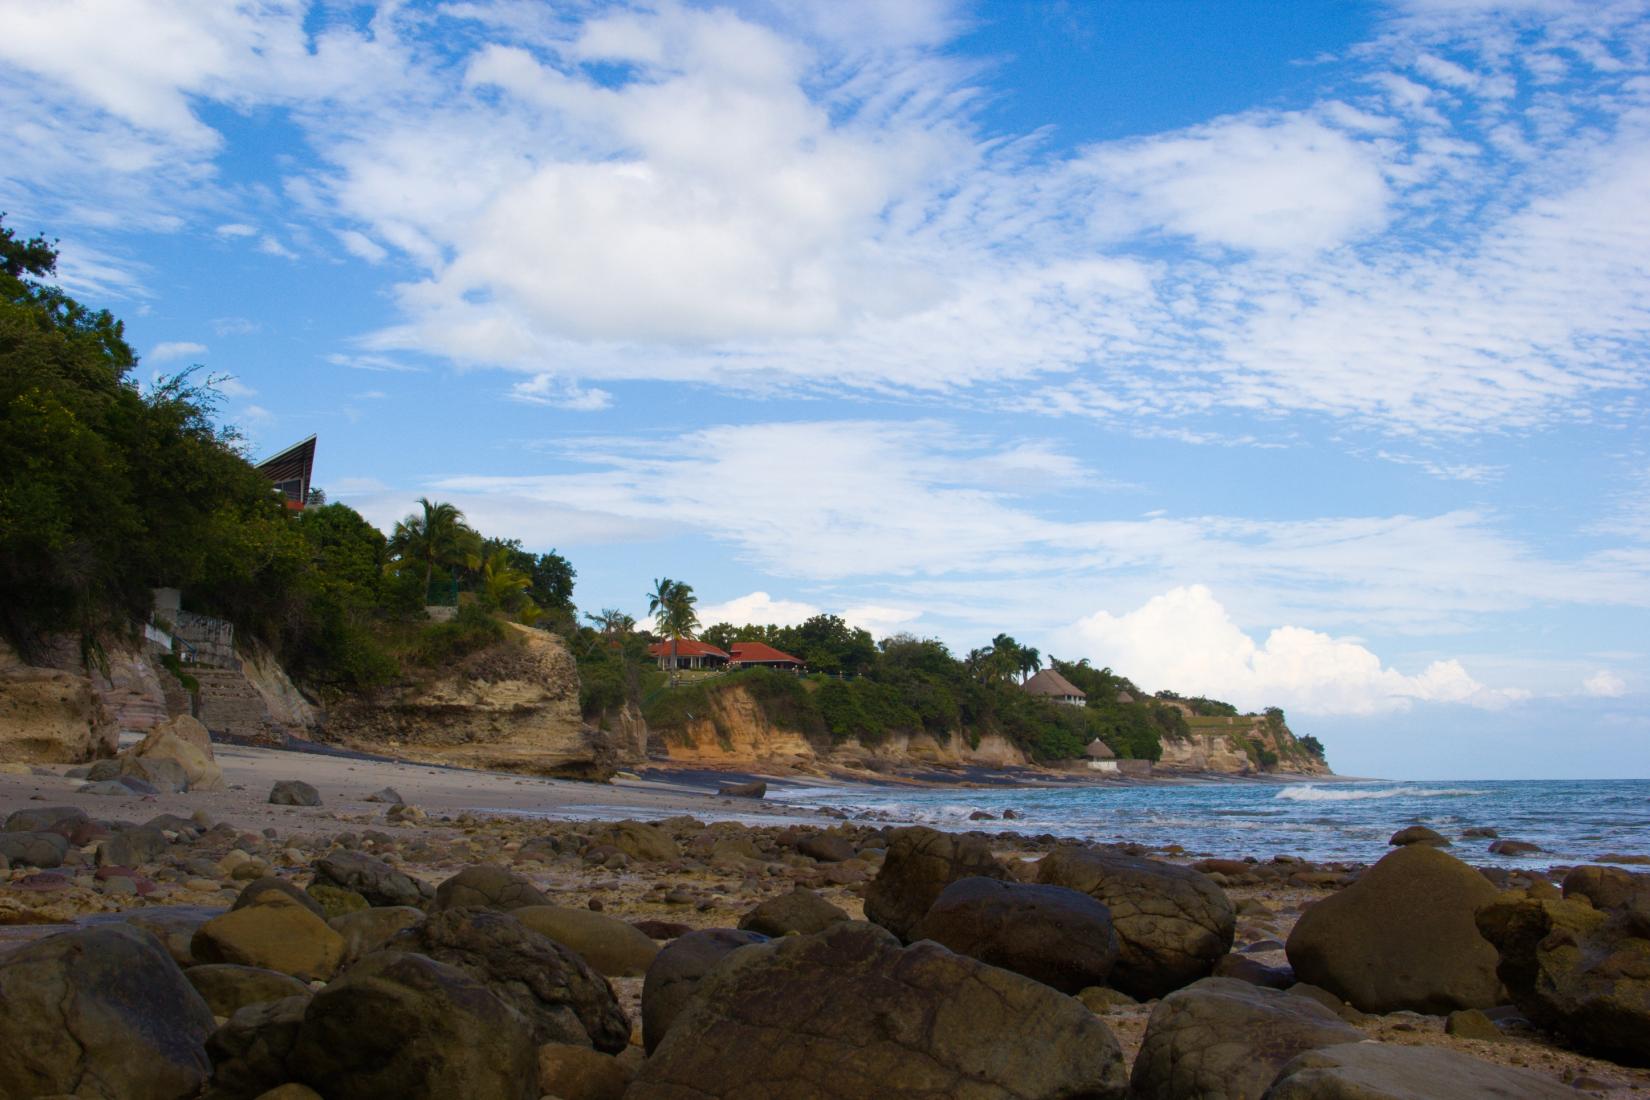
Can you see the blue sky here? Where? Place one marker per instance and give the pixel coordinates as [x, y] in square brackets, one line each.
[1292, 353]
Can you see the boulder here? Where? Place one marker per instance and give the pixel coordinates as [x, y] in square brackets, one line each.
[368, 930]
[177, 745]
[800, 912]
[570, 1072]
[549, 985]
[826, 847]
[227, 988]
[1604, 887]
[372, 878]
[252, 1052]
[173, 925]
[1245, 969]
[163, 775]
[44, 850]
[293, 792]
[648, 843]
[1381, 1071]
[414, 1028]
[130, 847]
[612, 947]
[1514, 848]
[754, 789]
[386, 794]
[101, 1012]
[278, 934]
[33, 819]
[334, 900]
[1401, 937]
[1221, 1038]
[1576, 970]
[1173, 923]
[1048, 933]
[1418, 834]
[919, 864]
[488, 886]
[677, 971]
[851, 1013]
[259, 890]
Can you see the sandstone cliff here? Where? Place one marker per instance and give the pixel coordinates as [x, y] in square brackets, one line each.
[735, 731]
[511, 707]
[50, 716]
[1244, 745]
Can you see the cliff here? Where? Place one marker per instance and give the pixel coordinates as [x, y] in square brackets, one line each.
[50, 715]
[510, 707]
[736, 731]
[1244, 745]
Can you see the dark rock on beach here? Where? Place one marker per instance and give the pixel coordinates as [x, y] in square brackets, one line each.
[849, 1013]
[227, 988]
[100, 1012]
[1381, 1071]
[1221, 1038]
[800, 912]
[677, 971]
[1401, 937]
[36, 849]
[612, 947]
[370, 877]
[294, 792]
[754, 789]
[1173, 923]
[920, 863]
[1050, 934]
[488, 886]
[1418, 834]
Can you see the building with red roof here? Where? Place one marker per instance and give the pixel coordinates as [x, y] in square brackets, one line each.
[690, 653]
[761, 655]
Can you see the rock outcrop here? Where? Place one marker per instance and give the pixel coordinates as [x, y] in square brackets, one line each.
[677, 971]
[1053, 935]
[510, 707]
[49, 716]
[1382, 1071]
[920, 863]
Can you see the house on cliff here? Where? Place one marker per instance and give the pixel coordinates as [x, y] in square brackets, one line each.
[759, 655]
[690, 653]
[1051, 685]
[1100, 756]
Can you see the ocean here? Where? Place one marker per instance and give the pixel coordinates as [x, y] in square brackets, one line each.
[1573, 821]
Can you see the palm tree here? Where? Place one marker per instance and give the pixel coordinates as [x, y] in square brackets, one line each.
[671, 603]
[438, 537]
[614, 624]
[1030, 661]
[501, 580]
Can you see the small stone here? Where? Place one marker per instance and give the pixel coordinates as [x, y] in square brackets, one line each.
[1418, 834]
[1470, 1023]
[294, 792]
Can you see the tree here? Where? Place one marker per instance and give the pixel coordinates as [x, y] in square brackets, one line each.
[552, 576]
[671, 603]
[615, 625]
[436, 537]
[502, 584]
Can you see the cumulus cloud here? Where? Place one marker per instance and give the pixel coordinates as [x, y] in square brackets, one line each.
[168, 350]
[1605, 684]
[1186, 640]
[759, 609]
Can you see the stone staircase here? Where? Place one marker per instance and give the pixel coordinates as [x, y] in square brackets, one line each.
[230, 705]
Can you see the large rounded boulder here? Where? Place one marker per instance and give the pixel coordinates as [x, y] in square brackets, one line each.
[1221, 1038]
[562, 999]
[850, 1013]
[1401, 937]
[1173, 923]
[488, 886]
[100, 1012]
[1050, 934]
[408, 1026]
[919, 864]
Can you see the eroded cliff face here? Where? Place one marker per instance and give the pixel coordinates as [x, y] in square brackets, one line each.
[1221, 747]
[50, 716]
[510, 707]
[736, 732]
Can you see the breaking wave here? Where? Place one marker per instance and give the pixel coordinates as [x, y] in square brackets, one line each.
[1330, 794]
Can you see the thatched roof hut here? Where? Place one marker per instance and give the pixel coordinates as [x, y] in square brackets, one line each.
[1099, 750]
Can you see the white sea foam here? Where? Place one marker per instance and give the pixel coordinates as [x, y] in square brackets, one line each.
[1329, 794]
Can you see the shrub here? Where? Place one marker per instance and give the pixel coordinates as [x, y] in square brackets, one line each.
[471, 630]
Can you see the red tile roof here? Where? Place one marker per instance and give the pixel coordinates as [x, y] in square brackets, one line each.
[686, 647]
[756, 653]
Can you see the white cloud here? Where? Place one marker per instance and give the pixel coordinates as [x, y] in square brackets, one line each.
[270, 246]
[235, 230]
[758, 609]
[1286, 183]
[363, 246]
[561, 393]
[168, 350]
[230, 386]
[235, 326]
[1605, 684]
[1186, 640]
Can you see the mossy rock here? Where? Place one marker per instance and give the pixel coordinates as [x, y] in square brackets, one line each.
[335, 901]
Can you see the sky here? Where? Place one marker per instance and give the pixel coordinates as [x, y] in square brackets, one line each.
[1289, 353]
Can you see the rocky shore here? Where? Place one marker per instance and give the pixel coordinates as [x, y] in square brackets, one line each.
[325, 936]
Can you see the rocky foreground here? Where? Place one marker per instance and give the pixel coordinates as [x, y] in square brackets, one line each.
[387, 952]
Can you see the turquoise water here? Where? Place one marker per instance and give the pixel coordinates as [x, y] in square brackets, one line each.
[1573, 821]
